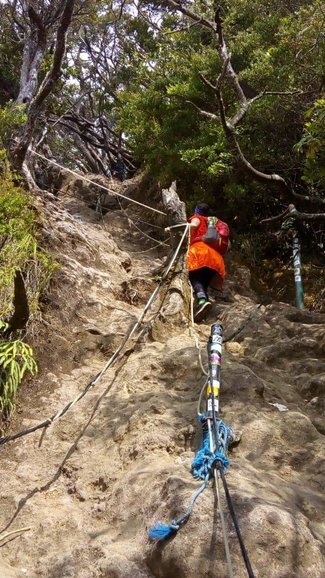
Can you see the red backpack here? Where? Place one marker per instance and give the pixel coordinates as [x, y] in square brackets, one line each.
[213, 232]
[224, 243]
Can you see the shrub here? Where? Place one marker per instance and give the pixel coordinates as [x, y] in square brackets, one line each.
[19, 251]
[16, 358]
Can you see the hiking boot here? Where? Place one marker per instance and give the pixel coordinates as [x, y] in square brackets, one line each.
[203, 307]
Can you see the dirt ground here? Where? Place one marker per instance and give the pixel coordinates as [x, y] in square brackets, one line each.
[120, 459]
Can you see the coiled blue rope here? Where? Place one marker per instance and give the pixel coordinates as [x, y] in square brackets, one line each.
[205, 459]
[202, 468]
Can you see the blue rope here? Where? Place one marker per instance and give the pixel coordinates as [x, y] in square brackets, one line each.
[163, 531]
[205, 460]
[202, 468]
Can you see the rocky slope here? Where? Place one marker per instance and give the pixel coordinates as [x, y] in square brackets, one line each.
[120, 459]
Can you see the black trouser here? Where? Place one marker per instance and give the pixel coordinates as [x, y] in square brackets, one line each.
[200, 280]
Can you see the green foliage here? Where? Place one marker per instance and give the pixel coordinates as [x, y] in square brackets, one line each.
[19, 247]
[39, 272]
[312, 144]
[275, 46]
[10, 54]
[249, 247]
[11, 117]
[16, 358]
[19, 251]
[17, 238]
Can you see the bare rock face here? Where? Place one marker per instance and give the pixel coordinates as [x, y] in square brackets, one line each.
[120, 459]
[7, 571]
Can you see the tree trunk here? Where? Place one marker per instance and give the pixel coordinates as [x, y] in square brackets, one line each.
[175, 311]
[33, 56]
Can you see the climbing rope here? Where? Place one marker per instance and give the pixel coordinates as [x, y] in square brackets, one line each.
[160, 244]
[150, 224]
[211, 459]
[12, 534]
[235, 521]
[220, 509]
[112, 359]
[164, 531]
[194, 333]
[138, 228]
[199, 403]
[130, 221]
[86, 179]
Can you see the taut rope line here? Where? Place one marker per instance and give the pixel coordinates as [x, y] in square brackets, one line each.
[83, 177]
[92, 383]
[213, 449]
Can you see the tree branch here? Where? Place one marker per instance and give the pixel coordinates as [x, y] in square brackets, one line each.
[21, 144]
[37, 21]
[232, 139]
[245, 106]
[204, 21]
[226, 59]
[54, 74]
[276, 218]
[209, 115]
[305, 216]
[207, 82]
[244, 103]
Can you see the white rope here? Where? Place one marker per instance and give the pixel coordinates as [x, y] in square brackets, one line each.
[13, 532]
[198, 346]
[104, 226]
[80, 176]
[143, 232]
[138, 228]
[195, 335]
[146, 308]
[150, 224]
[131, 333]
[175, 226]
[160, 244]
[192, 306]
[199, 403]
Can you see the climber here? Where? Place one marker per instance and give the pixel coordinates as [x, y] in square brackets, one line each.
[120, 168]
[209, 240]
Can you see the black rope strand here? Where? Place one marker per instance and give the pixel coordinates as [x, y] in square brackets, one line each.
[234, 519]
